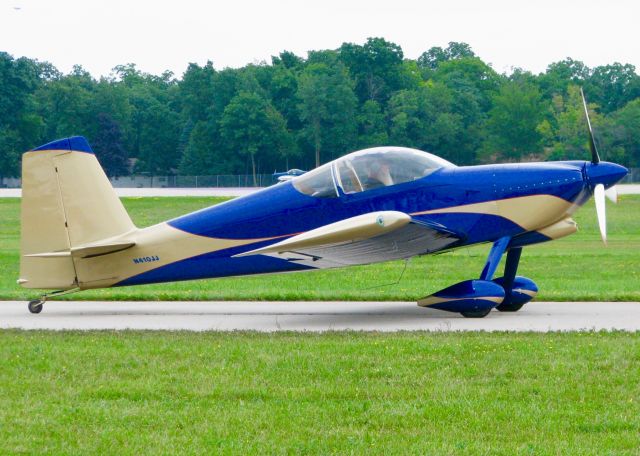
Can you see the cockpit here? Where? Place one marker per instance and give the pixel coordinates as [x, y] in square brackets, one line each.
[369, 169]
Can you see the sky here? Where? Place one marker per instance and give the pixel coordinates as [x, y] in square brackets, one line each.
[168, 35]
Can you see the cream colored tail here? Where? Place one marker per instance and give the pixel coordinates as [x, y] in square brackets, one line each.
[69, 211]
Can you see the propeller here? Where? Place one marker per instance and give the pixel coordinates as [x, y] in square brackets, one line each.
[599, 191]
[598, 196]
[595, 158]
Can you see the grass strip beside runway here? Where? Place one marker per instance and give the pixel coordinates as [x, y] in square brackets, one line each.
[248, 393]
[576, 268]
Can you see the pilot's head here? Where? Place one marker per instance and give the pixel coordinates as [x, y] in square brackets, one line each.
[379, 170]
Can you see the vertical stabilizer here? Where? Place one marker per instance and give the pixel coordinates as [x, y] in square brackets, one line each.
[67, 202]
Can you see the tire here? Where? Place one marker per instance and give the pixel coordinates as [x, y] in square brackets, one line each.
[35, 307]
[510, 307]
[475, 313]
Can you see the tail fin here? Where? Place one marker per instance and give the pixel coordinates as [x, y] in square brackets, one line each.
[67, 203]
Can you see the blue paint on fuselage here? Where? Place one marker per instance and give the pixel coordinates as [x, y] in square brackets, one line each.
[282, 211]
[214, 265]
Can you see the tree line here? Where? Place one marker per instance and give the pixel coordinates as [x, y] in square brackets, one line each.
[297, 112]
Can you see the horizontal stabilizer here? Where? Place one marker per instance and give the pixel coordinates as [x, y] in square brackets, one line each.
[97, 249]
[357, 228]
[88, 251]
[49, 255]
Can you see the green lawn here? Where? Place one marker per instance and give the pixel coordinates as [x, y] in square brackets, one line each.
[363, 393]
[578, 267]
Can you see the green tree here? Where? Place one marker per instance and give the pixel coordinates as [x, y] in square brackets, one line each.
[376, 67]
[287, 59]
[425, 119]
[372, 127]
[513, 123]
[205, 155]
[252, 127]
[613, 86]
[327, 109]
[621, 133]
[432, 58]
[226, 86]
[157, 132]
[108, 146]
[471, 76]
[21, 126]
[628, 119]
[67, 105]
[447, 101]
[9, 152]
[408, 119]
[154, 130]
[197, 91]
[282, 90]
[559, 75]
[570, 140]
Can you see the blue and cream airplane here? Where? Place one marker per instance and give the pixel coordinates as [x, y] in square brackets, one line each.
[369, 206]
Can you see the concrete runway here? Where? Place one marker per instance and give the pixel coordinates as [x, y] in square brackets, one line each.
[315, 316]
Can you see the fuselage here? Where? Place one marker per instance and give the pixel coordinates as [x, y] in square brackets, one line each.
[477, 203]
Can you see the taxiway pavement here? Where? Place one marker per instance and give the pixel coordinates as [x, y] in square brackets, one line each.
[315, 316]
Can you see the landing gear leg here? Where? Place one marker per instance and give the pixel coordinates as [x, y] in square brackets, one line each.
[473, 298]
[487, 273]
[35, 306]
[510, 269]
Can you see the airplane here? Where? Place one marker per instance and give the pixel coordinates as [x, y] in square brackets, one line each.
[288, 175]
[373, 205]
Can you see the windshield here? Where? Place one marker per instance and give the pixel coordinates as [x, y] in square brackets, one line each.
[318, 183]
[369, 169]
[385, 166]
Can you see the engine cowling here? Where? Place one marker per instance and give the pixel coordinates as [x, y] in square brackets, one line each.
[466, 297]
[521, 292]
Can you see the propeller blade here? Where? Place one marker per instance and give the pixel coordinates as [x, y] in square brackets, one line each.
[612, 194]
[598, 196]
[595, 158]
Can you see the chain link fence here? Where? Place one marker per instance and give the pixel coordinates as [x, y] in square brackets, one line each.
[222, 180]
[633, 176]
[141, 181]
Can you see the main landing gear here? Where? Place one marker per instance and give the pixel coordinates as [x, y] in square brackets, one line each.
[476, 298]
[518, 290]
[476, 313]
[35, 306]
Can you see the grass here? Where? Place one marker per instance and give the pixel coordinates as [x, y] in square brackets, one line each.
[578, 267]
[354, 393]
[129, 392]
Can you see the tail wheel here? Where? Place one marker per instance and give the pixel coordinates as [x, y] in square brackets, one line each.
[35, 307]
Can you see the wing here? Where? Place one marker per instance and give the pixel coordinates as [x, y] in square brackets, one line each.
[367, 238]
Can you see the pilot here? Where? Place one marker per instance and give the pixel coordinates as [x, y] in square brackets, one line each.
[378, 175]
